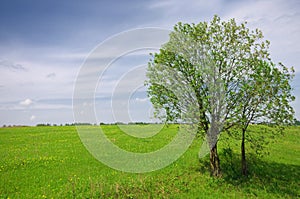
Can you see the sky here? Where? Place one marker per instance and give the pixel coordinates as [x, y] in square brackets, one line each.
[45, 44]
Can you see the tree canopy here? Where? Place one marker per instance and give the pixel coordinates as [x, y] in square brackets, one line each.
[230, 75]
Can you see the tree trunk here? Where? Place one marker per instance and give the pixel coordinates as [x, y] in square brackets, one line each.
[244, 163]
[212, 134]
[215, 162]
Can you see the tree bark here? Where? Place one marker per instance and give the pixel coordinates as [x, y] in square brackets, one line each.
[215, 162]
[244, 162]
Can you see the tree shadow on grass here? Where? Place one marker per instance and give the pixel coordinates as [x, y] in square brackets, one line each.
[280, 179]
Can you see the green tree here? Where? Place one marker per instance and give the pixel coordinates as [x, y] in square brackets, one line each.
[265, 97]
[217, 61]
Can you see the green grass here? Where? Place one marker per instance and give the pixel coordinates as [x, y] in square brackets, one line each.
[51, 162]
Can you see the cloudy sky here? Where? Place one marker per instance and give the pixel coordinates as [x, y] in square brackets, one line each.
[44, 44]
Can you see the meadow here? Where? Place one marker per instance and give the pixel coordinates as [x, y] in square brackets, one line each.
[51, 162]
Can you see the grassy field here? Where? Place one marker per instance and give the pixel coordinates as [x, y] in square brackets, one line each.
[51, 162]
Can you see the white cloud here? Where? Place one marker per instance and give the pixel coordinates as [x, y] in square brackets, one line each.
[279, 21]
[32, 117]
[26, 102]
[141, 99]
[37, 105]
[68, 56]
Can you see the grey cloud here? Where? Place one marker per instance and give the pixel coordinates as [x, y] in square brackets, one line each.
[51, 75]
[11, 66]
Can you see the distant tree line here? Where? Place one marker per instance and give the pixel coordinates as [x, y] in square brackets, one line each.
[296, 123]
